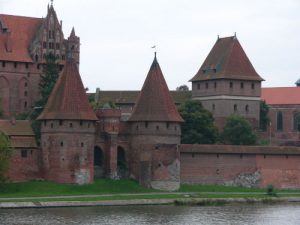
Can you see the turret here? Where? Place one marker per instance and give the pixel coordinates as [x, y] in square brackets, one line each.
[155, 130]
[73, 50]
[68, 130]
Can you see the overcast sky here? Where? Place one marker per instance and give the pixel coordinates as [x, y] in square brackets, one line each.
[117, 35]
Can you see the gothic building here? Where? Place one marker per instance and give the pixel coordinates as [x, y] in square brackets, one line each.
[24, 43]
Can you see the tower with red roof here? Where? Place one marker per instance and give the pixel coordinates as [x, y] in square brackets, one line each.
[155, 134]
[227, 83]
[68, 130]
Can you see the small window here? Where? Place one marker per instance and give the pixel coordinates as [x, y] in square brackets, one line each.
[279, 121]
[26, 65]
[242, 85]
[88, 125]
[213, 107]
[157, 127]
[28, 74]
[49, 35]
[175, 128]
[198, 86]
[44, 44]
[206, 85]
[215, 85]
[25, 93]
[24, 153]
[3, 64]
[15, 64]
[137, 127]
[25, 104]
[146, 124]
[235, 108]
[253, 86]
[51, 125]
[231, 85]
[80, 122]
[168, 125]
[57, 46]
[247, 108]
[60, 122]
[71, 125]
[62, 144]
[45, 123]
[38, 66]
[82, 144]
[25, 84]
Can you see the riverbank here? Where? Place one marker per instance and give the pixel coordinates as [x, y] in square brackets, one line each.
[127, 192]
[180, 202]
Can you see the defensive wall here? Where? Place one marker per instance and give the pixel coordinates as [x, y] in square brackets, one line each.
[251, 166]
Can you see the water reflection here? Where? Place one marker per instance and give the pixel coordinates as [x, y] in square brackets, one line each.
[235, 214]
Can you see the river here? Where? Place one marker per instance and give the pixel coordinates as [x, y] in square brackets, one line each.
[233, 214]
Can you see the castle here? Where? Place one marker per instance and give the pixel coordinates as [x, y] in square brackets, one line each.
[141, 138]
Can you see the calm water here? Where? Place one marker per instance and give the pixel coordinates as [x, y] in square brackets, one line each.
[284, 214]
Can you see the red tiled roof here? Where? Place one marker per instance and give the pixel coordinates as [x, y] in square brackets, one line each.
[22, 31]
[227, 60]
[68, 99]
[155, 102]
[19, 128]
[281, 95]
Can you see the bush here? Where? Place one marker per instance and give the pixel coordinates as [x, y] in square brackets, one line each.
[271, 190]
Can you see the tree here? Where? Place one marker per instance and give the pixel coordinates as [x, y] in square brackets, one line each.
[48, 79]
[182, 88]
[263, 116]
[5, 154]
[198, 125]
[238, 131]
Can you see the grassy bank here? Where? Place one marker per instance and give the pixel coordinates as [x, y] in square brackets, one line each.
[117, 189]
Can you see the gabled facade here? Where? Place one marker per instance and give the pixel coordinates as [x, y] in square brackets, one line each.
[24, 43]
[227, 83]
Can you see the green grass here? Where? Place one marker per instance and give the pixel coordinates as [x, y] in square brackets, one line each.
[45, 188]
[217, 188]
[106, 186]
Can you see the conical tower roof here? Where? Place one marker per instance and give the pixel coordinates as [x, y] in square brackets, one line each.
[68, 99]
[227, 60]
[155, 102]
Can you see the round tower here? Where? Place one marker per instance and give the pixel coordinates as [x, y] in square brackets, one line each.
[155, 134]
[68, 130]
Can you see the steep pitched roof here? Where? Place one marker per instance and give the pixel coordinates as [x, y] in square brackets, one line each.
[227, 60]
[155, 102]
[22, 30]
[68, 99]
[281, 95]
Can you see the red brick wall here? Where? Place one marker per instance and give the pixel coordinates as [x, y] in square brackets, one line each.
[25, 168]
[208, 164]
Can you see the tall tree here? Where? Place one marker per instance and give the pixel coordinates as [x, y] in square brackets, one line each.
[5, 154]
[263, 116]
[198, 127]
[182, 88]
[48, 79]
[238, 131]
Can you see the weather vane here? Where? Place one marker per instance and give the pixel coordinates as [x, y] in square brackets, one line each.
[154, 47]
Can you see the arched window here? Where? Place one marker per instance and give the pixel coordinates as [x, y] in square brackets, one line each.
[235, 108]
[279, 121]
[247, 108]
[296, 121]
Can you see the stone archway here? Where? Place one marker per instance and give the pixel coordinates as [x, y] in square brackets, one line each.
[122, 166]
[98, 163]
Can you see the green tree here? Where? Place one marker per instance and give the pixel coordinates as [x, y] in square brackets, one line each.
[198, 127]
[182, 88]
[238, 131]
[48, 79]
[5, 154]
[263, 116]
